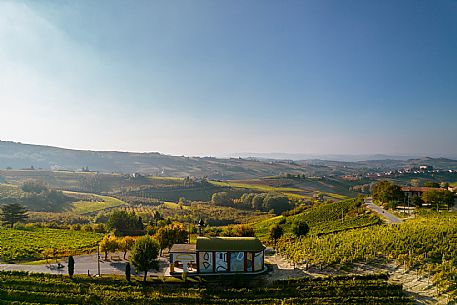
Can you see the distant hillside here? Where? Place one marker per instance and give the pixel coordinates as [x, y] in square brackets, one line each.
[23, 156]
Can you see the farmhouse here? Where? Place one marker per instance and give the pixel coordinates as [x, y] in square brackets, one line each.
[211, 255]
[413, 191]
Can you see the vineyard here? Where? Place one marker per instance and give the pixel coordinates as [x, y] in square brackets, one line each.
[23, 288]
[427, 244]
[323, 219]
[32, 243]
[213, 215]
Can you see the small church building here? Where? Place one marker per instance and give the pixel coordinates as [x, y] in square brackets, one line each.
[212, 255]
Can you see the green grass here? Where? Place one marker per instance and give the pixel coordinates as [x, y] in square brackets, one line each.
[334, 195]
[101, 203]
[29, 243]
[257, 187]
[174, 205]
[291, 192]
[262, 228]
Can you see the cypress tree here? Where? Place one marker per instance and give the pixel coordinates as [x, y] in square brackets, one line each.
[127, 272]
[71, 266]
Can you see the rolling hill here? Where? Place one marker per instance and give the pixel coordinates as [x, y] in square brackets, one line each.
[26, 156]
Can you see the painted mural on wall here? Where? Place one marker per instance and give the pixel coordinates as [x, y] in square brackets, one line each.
[249, 261]
[258, 259]
[206, 261]
[221, 262]
[237, 261]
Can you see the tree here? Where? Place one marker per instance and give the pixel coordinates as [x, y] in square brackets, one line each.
[257, 201]
[124, 224]
[246, 198]
[276, 202]
[168, 235]
[157, 217]
[108, 244]
[300, 227]
[276, 231]
[125, 244]
[221, 198]
[12, 213]
[242, 230]
[417, 201]
[415, 182]
[71, 266]
[127, 272]
[144, 255]
[431, 184]
[439, 197]
[34, 186]
[387, 192]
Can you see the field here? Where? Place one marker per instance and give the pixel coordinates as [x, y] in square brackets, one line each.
[426, 243]
[22, 288]
[94, 203]
[30, 243]
[293, 188]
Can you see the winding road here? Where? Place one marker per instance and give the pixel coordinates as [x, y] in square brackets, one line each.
[381, 212]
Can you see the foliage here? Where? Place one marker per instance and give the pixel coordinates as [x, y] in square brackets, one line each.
[417, 201]
[221, 198]
[124, 223]
[12, 213]
[168, 235]
[385, 191]
[238, 231]
[34, 186]
[278, 203]
[125, 244]
[439, 197]
[144, 254]
[23, 288]
[300, 227]
[33, 242]
[431, 184]
[71, 266]
[276, 231]
[109, 244]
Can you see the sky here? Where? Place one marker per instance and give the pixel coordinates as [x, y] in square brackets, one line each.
[219, 77]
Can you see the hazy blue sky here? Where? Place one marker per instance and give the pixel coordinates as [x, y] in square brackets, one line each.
[212, 77]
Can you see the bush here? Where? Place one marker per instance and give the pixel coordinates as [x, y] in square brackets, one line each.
[300, 227]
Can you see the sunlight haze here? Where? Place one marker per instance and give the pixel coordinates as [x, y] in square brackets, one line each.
[219, 77]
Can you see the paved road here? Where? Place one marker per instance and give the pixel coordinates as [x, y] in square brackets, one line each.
[83, 263]
[380, 211]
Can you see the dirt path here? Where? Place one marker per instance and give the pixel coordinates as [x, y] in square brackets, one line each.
[419, 287]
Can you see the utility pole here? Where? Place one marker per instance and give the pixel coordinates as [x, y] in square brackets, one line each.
[98, 260]
[342, 215]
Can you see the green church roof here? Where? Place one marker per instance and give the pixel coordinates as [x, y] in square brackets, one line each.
[229, 244]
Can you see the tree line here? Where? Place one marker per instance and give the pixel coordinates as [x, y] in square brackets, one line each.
[391, 194]
[265, 202]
